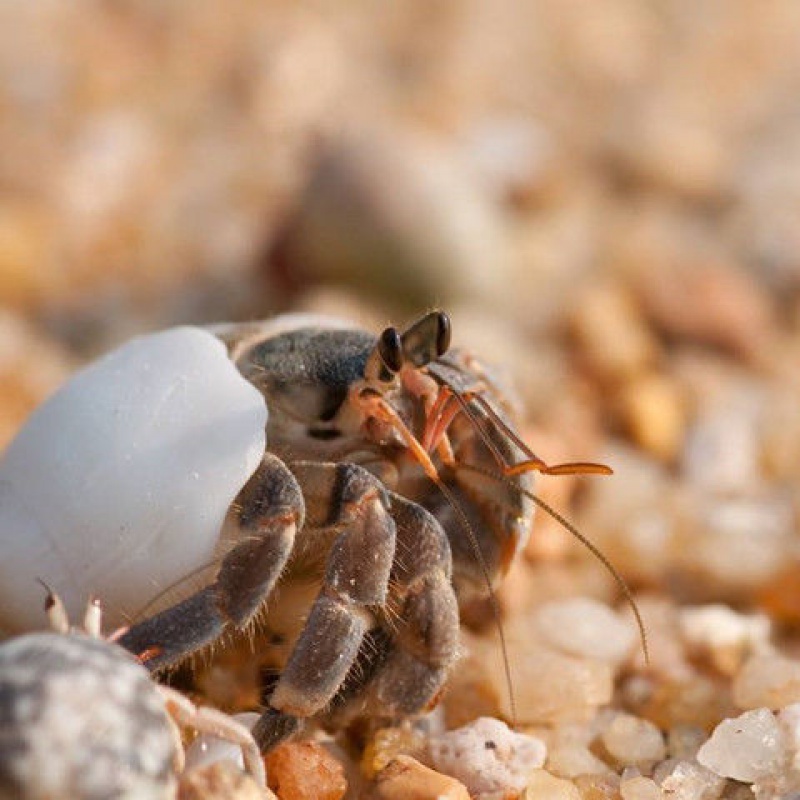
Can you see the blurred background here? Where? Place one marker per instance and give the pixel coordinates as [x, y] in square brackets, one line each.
[605, 194]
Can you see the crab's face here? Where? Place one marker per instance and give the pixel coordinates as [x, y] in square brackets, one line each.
[318, 384]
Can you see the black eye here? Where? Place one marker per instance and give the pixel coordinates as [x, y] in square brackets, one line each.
[443, 333]
[390, 348]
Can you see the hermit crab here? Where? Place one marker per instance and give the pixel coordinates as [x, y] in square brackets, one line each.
[236, 461]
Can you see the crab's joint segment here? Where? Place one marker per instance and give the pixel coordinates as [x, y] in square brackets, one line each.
[376, 406]
[570, 468]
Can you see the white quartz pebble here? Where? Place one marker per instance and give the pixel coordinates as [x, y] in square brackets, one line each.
[688, 780]
[544, 786]
[749, 748]
[631, 740]
[769, 679]
[119, 484]
[208, 749]
[586, 628]
[487, 757]
[640, 788]
[719, 626]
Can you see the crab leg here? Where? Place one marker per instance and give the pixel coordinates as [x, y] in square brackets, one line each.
[421, 614]
[271, 510]
[352, 502]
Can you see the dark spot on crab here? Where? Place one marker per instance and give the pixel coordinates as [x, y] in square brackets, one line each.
[324, 434]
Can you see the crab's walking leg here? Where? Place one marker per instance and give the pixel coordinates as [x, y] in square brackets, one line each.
[270, 512]
[421, 614]
[349, 500]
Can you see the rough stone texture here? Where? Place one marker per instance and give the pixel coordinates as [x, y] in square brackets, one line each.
[630, 740]
[79, 718]
[404, 778]
[220, 780]
[305, 771]
[749, 748]
[543, 786]
[587, 629]
[769, 680]
[487, 757]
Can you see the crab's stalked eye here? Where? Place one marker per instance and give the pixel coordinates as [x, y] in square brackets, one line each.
[427, 339]
[390, 348]
[443, 333]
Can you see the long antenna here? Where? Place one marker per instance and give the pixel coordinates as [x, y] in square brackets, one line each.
[587, 543]
[536, 464]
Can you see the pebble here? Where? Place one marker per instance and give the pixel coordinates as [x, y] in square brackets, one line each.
[702, 298]
[683, 741]
[404, 778]
[570, 759]
[209, 749]
[220, 780]
[721, 452]
[688, 780]
[487, 756]
[549, 687]
[305, 771]
[544, 786]
[653, 410]
[631, 517]
[750, 748]
[640, 788]
[612, 334]
[598, 787]
[631, 740]
[386, 744]
[586, 628]
[770, 680]
[737, 543]
[727, 637]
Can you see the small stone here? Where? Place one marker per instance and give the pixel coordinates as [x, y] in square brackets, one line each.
[688, 780]
[631, 740]
[549, 687]
[722, 448]
[613, 336]
[652, 410]
[570, 759]
[702, 298]
[683, 741]
[544, 786]
[697, 700]
[487, 756]
[724, 635]
[385, 745]
[220, 780]
[768, 680]
[789, 719]
[586, 628]
[208, 749]
[640, 788]
[406, 779]
[305, 771]
[750, 748]
[736, 543]
[598, 787]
